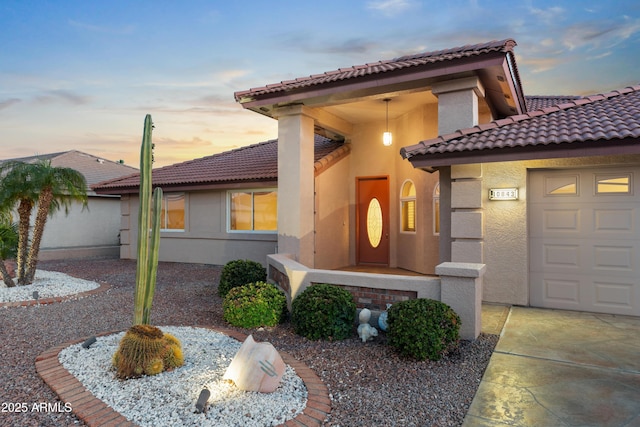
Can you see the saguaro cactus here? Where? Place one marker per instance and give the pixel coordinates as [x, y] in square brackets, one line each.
[148, 241]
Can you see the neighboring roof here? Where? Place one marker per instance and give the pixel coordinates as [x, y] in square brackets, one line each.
[95, 169]
[250, 164]
[596, 125]
[416, 68]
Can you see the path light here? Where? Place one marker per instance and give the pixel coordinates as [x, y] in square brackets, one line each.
[88, 342]
[35, 295]
[201, 404]
[387, 137]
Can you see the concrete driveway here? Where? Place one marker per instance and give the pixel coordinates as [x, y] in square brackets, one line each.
[561, 368]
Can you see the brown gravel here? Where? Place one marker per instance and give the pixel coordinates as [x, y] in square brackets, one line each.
[369, 384]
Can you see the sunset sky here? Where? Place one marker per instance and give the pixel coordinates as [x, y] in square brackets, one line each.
[83, 74]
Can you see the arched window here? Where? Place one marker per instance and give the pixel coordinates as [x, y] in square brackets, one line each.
[436, 209]
[408, 207]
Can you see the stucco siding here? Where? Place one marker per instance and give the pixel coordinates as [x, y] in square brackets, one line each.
[93, 231]
[332, 216]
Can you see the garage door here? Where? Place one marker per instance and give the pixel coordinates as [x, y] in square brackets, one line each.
[584, 240]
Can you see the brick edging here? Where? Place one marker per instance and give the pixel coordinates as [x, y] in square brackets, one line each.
[43, 301]
[95, 412]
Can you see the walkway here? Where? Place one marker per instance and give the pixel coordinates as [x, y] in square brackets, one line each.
[559, 368]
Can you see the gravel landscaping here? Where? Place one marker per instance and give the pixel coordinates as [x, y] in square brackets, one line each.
[368, 383]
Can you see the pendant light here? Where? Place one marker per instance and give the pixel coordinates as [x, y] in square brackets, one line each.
[387, 138]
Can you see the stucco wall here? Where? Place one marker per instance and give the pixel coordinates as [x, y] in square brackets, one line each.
[505, 222]
[93, 231]
[332, 216]
[205, 239]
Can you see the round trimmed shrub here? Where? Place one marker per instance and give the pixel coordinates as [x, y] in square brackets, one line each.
[324, 312]
[238, 273]
[254, 304]
[422, 328]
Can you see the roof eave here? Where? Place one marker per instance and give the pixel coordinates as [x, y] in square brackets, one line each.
[625, 146]
[375, 84]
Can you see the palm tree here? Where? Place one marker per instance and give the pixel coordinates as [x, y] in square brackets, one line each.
[47, 187]
[8, 247]
[18, 187]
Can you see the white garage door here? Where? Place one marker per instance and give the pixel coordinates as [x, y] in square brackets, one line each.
[584, 239]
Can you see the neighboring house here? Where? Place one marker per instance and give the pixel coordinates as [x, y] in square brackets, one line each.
[565, 238]
[92, 231]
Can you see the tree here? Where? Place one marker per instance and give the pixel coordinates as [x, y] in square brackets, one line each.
[47, 187]
[8, 245]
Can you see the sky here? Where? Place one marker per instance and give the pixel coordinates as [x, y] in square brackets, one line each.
[82, 75]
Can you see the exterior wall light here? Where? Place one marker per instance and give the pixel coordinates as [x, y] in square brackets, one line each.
[387, 137]
[503, 194]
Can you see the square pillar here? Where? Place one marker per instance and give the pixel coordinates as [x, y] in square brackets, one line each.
[296, 184]
[461, 289]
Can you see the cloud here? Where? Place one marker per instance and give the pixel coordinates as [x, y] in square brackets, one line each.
[390, 7]
[53, 96]
[600, 34]
[7, 103]
[548, 16]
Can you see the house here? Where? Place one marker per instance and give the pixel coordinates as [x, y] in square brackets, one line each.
[92, 231]
[528, 200]
[217, 208]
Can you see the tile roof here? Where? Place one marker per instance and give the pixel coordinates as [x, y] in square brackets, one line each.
[605, 117]
[536, 102]
[253, 163]
[385, 66]
[95, 169]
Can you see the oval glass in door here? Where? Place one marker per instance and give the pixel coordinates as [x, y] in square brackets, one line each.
[374, 222]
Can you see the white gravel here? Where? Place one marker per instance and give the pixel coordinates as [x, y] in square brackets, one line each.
[48, 284]
[169, 398]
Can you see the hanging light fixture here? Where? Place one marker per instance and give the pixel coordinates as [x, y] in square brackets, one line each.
[387, 138]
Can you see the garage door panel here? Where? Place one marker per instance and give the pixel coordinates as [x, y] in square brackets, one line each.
[614, 220]
[614, 296]
[584, 240]
[613, 258]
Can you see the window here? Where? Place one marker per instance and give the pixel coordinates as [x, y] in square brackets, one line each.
[253, 210]
[564, 185]
[408, 206]
[436, 209]
[613, 184]
[172, 214]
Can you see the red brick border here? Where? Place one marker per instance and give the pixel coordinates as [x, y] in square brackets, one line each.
[42, 301]
[95, 412]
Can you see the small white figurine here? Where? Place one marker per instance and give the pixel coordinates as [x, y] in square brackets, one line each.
[365, 330]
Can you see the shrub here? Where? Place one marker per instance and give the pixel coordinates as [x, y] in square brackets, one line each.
[324, 312]
[254, 304]
[422, 328]
[240, 272]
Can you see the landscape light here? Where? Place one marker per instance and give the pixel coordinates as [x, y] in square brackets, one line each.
[35, 295]
[88, 342]
[201, 404]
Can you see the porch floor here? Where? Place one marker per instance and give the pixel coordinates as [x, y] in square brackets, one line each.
[377, 269]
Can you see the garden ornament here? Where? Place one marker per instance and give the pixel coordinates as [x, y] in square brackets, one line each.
[366, 332]
[256, 367]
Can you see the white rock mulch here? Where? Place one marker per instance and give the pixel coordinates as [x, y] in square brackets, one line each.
[169, 398]
[48, 284]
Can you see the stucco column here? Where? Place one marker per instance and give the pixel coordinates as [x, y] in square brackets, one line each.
[458, 109]
[295, 184]
[461, 289]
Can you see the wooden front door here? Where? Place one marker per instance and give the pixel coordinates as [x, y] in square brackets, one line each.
[372, 217]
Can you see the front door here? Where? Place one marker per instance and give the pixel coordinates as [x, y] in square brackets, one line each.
[372, 214]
